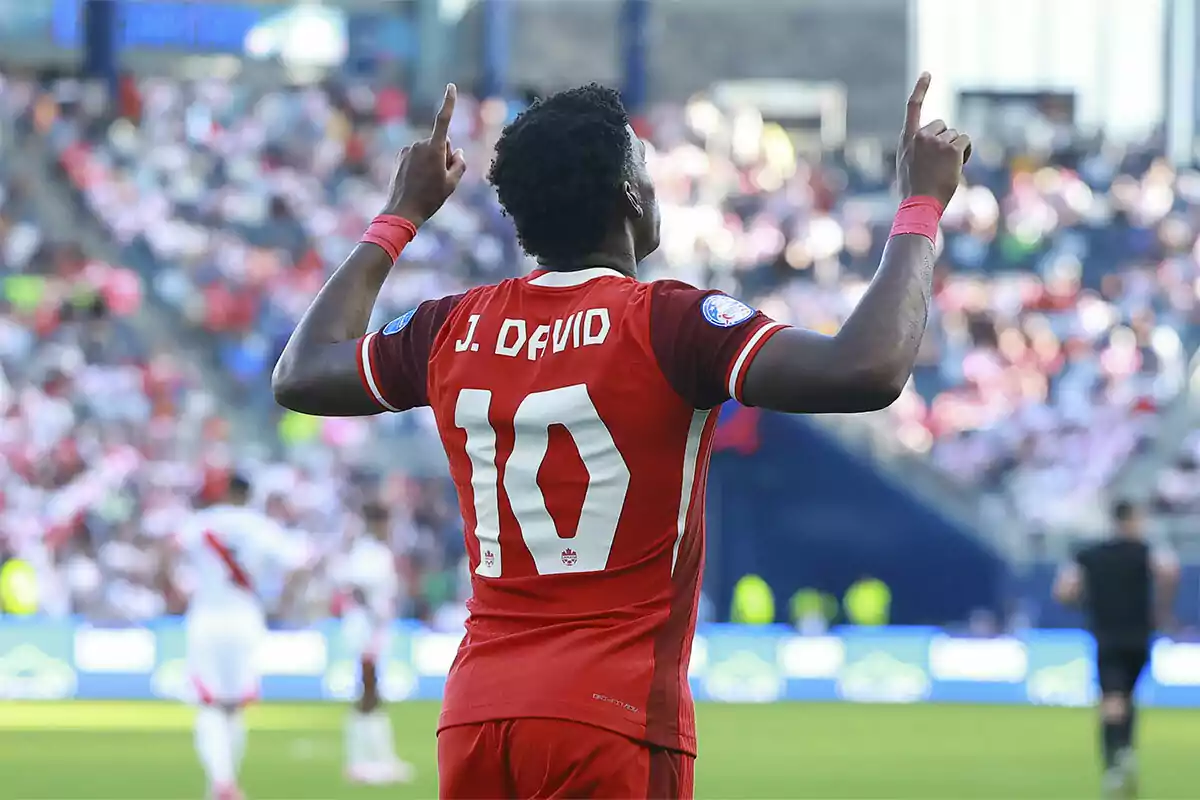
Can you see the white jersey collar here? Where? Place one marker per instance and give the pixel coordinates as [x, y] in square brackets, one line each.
[573, 278]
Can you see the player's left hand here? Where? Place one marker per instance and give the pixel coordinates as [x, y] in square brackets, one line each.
[428, 171]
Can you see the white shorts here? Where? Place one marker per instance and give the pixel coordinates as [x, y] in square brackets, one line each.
[363, 637]
[222, 653]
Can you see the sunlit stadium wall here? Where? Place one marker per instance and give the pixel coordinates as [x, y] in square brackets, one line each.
[54, 660]
[1107, 56]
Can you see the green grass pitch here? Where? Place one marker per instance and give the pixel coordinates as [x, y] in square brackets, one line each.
[143, 751]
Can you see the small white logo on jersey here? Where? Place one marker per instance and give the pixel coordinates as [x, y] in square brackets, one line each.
[397, 325]
[724, 311]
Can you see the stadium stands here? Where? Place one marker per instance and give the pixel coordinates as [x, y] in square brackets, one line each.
[1063, 313]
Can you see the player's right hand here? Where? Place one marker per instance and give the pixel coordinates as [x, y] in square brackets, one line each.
[427, 172]
[930, 159]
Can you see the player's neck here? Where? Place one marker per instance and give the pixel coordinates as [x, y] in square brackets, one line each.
[624, 264]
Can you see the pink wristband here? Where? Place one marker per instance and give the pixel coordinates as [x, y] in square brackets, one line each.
[390, 232]
[919, 215]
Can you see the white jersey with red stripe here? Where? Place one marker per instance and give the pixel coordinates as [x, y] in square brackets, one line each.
[235, 551]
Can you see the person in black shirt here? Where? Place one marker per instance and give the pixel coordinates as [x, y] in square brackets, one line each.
[1126, 590]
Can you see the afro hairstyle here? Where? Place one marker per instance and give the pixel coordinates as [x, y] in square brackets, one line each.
[558, 170]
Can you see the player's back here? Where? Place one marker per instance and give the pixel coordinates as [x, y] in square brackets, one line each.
[234, 550]
[369, 568]
[1118, 581]
[577, 411]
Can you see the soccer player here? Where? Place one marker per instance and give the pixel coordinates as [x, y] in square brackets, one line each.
[234, 549]
[577, 406]
[369, 574]
[1123, 585]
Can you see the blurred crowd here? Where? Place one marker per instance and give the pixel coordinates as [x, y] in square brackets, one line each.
[109, 437]
[1064, 311]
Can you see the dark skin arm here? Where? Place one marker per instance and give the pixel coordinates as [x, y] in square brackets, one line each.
[865, 365]
[318, 371]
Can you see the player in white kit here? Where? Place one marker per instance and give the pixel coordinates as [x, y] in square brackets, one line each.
[368, 575]
[234, 550]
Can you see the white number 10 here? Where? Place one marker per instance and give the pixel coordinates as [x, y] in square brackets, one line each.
[608, 479]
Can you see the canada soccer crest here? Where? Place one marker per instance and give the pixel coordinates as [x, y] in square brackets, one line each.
[569, 557]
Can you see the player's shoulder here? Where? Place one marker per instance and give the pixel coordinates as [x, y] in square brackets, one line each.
[365, 549]
[667, 285]
[1122, 545]
[1139, 548]
[246, 521]
[220, 520]
[434, 309]
[672, 289]
[487, 291]
[368, 559]
[481, 291]
[677, 298]
[210, 515]
[454, 309]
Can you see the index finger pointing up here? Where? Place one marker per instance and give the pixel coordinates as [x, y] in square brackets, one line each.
[912, 117]
[441, 123]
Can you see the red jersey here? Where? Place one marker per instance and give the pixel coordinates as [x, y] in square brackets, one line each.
[577, 411]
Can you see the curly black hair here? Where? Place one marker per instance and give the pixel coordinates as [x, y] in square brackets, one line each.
[558, 168]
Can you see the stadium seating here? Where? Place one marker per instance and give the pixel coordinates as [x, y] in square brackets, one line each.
[1063, 307]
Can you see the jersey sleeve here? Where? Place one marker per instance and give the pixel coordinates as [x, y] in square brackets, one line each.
[705, 341]
[393, 362]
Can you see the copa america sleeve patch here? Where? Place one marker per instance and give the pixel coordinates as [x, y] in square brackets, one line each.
[724, 311]
[398, 324]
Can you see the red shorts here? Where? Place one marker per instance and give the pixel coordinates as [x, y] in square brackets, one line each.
[546, 758]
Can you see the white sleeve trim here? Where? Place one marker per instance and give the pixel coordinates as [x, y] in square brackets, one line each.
[743, 360]
[369, 374]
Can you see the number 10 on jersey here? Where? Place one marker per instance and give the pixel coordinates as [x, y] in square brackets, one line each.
[604, 499]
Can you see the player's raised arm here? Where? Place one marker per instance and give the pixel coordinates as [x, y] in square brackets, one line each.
[328, 368]
[865, 365]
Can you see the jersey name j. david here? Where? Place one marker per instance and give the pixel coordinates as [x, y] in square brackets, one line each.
[577, 411]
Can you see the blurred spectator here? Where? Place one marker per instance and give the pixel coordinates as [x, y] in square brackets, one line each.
[1064, 308]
